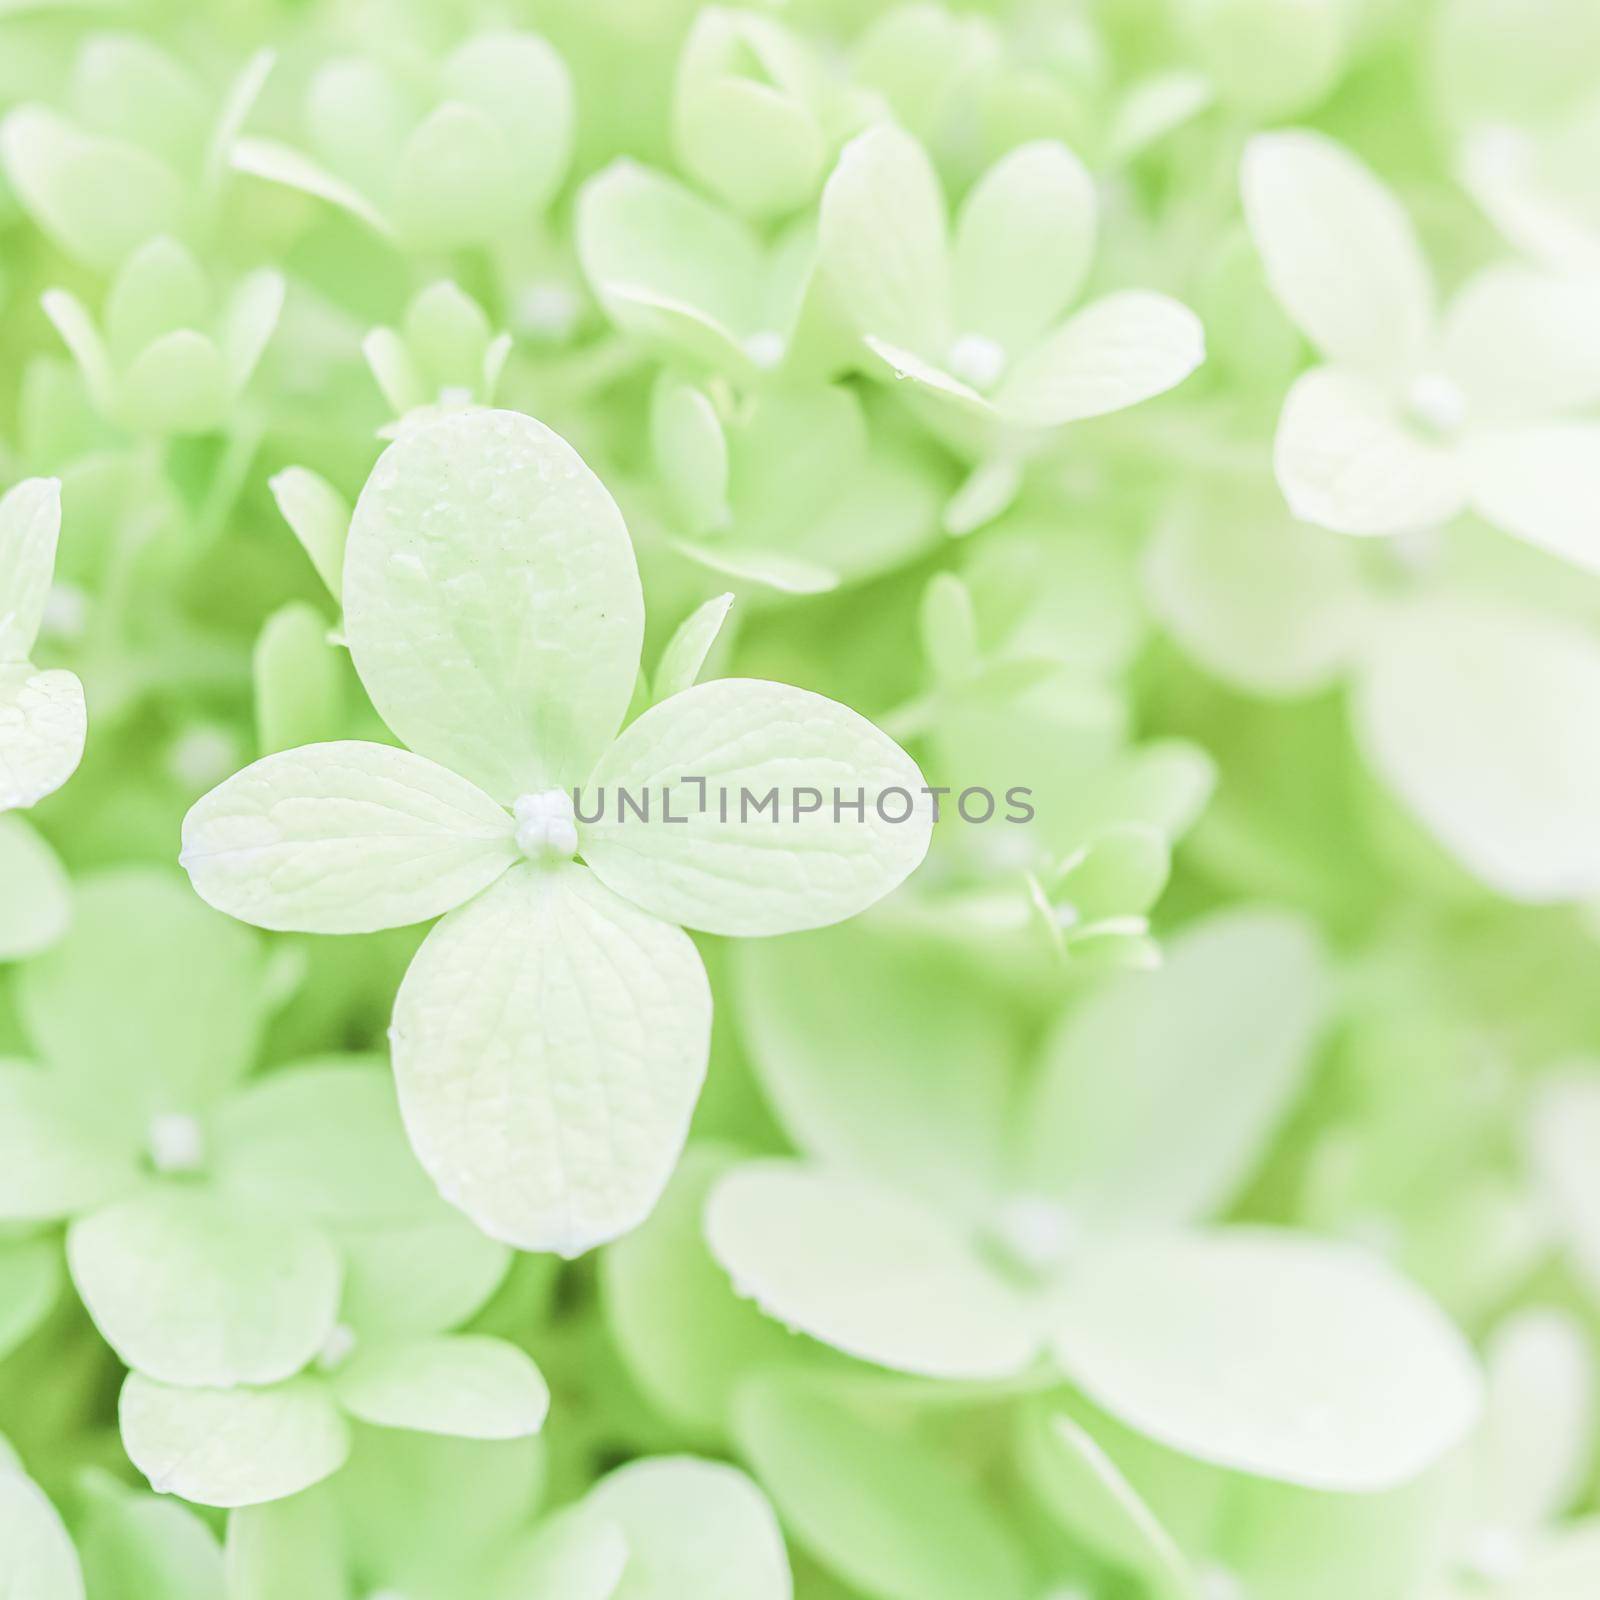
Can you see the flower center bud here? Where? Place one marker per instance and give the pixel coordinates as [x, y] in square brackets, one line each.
[176, 1142]
[1035, 1235]
[1437, 403]
[547, 828]
[765, 348]
[1496, 1555]
[977, 360]
[337, 1348]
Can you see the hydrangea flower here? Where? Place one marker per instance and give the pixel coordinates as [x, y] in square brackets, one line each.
[43, 721]
[797, 490]
[1417, 417]
[141, 150]
[940, 1229]
[978, 322]
[691, 278]
[463, 160]
[550, 1037]
[210, 1238]
[443, 356]
[639, 1533]
[36, 1554]
[167, 360]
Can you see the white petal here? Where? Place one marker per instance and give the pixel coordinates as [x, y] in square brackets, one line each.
[232, 1447]
[1339, 251]
[883, 240]
[1541, 484]
[43, 725]
[1157, 1096]
[666, 1507]
[492, 602]
[36, 907]
[1535, 1447]
[549, 1045]
[278, 163]
[468, 1385]
[802, 868]
[30, 524]
[687, 649]
[1024, 239]
[1507, 172]
[871, 1272]
[1299, 1359]
[344, 838]
[1346, 460]
[1523, 344]
[37, 1561]
[1563, 1125]
[1479, 716]
[1117, 351]
[190, 1291]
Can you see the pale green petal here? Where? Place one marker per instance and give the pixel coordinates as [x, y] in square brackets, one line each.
[135, 1547]
[82, 338]
[874, 1273]
[43, 725]
[645, 240]
[468, 1386]
[771, 569]
[396, 371]
[664, 1507]
[1477, 715]
[492, 602]
[298, 682]
[248, 321]
[1565, 1567]
[1117, 351]
[1157, 1096]
[756, 876]
[576, 1554]
[884, 241]
[931, 378]
[549, 1046]
[345, 837]
[522, 85]
[60, 1153]
[1523, 345]
[412, 1279]
[192, 1291]
[1084, 1489]
[151, 997]
[287, 1547]
[890, 1515]
[686, 1338]
[906, 1074]
[30, 525]
[690, 448]
[448, 334]
[37, 1561]
[159, 289]
[1541, 484]
[176, 384]
[1339, 251]
[37, 907]
[687, 649]
[1300, 1359]
[319, 517]
[1534, 1450]
[322, 1141]
[278, 163]
[97, 198]
[1271, 606]
[30, 1280]
[1024, 239]
[742, 122]
[1346, 459]
[232, 1447]
[455, 184]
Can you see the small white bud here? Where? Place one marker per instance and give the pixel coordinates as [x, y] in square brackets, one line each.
[547, 826]
[176, 1142]
[978, 360]
[765, 348]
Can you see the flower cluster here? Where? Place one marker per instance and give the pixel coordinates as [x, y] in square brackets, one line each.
[513, 518]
